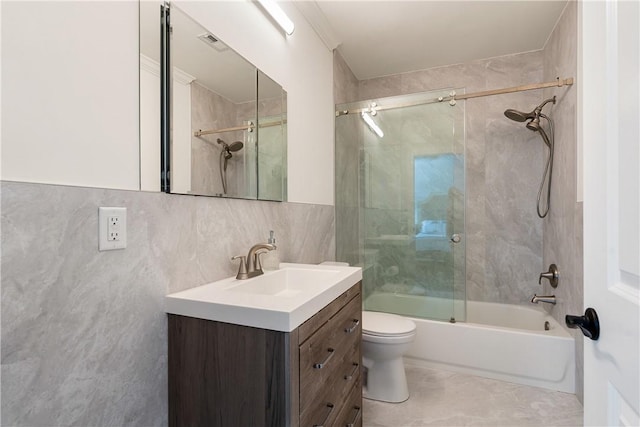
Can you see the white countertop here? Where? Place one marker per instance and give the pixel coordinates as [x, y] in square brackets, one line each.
[279, 300]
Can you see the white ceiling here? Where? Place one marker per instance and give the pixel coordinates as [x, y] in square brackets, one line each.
[378, 38]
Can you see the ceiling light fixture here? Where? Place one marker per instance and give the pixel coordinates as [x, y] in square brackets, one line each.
[278, 15]
[372, 125]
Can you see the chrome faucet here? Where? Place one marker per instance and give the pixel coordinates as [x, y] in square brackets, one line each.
[250, 265]
[550, 299]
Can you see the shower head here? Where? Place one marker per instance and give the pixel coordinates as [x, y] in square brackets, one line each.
[534, 124]
[518, 116]
[233, 147]
[533, 116]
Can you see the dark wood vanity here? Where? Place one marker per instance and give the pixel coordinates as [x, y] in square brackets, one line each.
[221, 374]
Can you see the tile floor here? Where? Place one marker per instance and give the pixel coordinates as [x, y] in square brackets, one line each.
[442, 398]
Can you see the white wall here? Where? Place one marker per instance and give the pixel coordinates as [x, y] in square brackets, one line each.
[70, 93]
[70, 90]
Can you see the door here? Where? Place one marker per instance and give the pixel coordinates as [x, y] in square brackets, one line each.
[610, 137]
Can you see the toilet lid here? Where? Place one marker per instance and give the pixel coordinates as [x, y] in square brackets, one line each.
[385, 324]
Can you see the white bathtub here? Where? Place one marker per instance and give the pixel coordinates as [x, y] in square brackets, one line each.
[500, 341]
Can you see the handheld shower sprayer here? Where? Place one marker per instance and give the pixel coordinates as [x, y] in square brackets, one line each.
[534, 125]
[534, 115]
[225, 156]
[230, 148]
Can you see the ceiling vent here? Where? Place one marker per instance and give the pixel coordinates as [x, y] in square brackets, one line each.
[211, 41]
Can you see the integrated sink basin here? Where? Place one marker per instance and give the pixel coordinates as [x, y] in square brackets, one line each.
[279, 300]
[288, 282]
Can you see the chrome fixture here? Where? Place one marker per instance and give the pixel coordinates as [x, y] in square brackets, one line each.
[534, 125]
[549, 299]
[225, 155]
[250, 265]
[552, 275]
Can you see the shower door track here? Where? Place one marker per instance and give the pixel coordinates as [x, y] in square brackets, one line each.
[250, 127]
[454, 97]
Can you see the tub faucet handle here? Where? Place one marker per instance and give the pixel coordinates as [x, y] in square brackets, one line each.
[552, 275]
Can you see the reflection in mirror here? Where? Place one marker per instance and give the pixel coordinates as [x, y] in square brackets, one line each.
[272, 140]
[214, 104]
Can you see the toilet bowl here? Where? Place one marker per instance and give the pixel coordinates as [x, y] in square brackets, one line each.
[385, 339]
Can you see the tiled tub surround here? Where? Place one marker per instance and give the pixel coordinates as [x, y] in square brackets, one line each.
[347, 197]
[84, 332]
[211, 111]
[562, 229]
[507, 244]
[504, 163]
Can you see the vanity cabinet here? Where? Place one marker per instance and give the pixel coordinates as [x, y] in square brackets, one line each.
[222, 374]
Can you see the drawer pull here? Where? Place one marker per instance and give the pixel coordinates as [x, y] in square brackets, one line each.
[358, 410]
[321, 365]
[330, 406]
[356, 322]
[355, 369]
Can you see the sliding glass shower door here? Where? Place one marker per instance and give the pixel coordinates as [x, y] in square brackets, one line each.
[400, 202]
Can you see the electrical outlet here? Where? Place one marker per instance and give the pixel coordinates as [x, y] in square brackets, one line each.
[112, 230]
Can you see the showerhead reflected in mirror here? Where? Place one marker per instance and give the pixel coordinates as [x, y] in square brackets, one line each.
[217, 105]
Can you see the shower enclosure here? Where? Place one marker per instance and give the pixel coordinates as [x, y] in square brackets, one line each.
[401, 214]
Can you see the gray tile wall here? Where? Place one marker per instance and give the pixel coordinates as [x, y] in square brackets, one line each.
[563, 227]
[347, 164]
[84, 332]
[506, 249]
[504, 165]
[212, 111]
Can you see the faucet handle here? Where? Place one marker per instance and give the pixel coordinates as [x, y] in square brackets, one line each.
[552, 275]
[242, 268]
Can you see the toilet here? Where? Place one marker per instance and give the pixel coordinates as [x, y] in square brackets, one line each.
[385, 339]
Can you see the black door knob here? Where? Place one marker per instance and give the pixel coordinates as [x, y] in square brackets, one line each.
[588, 324]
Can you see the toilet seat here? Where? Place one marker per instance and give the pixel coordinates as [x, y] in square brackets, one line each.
[382, 325]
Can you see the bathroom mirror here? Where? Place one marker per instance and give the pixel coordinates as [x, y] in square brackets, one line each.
[224, 120]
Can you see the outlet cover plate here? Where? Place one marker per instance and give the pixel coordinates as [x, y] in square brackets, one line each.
[112, 228]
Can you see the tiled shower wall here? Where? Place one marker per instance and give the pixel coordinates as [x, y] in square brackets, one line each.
[348, 151]
[205, 151]
[504, 163]
[507, 244]
[563, 227]
[84, 338]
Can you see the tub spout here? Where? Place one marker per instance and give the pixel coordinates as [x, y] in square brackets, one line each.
[550, 299]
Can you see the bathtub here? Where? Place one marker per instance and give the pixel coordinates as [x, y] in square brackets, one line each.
[500, 341]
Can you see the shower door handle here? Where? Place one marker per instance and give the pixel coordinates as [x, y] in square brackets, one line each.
[455, 238]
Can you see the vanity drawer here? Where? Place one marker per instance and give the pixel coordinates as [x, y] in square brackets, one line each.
[330, 364]
[315, 397]
[309, 327]
[351, 413]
